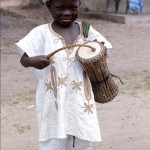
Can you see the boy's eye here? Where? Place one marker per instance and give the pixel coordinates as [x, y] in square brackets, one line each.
[59, 8]
[74, 8]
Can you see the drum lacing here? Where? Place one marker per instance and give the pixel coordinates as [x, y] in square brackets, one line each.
[105, 79]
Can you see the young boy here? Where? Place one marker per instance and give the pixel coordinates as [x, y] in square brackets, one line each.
[67, 117]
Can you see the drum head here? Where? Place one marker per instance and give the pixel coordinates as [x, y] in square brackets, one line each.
[87, 53]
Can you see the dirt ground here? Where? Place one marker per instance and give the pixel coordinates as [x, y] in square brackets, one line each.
[124, 122]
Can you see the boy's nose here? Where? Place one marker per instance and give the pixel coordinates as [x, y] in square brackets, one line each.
[66, 12]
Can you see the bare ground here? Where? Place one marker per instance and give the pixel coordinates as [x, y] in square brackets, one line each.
[124, 122]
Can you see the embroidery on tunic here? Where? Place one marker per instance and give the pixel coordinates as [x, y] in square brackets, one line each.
[52, 85]
[69, 51]
[88, 95]
[62, 81]
[87, 90]
[88, 107]
[54, 82]
[76, 85]
[49, 86]
[69, 60]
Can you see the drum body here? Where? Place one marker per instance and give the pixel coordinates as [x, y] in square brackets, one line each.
[95, 66]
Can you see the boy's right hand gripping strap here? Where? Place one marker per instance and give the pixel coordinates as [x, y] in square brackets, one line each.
[85, 27]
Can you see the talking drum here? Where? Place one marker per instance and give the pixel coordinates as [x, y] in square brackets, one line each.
[95, 65]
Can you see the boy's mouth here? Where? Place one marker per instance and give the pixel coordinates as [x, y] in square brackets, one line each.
[66, 19]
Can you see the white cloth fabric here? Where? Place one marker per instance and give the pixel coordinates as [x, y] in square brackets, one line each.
[66, 144]
[64, 98]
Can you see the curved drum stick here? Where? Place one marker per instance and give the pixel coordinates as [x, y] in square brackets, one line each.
[69, 46]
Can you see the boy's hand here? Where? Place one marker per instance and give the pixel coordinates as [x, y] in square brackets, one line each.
[39, 62]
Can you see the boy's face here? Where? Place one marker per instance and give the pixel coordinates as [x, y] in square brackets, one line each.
[64, 12]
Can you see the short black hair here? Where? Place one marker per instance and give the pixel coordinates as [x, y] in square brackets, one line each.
[49, 2]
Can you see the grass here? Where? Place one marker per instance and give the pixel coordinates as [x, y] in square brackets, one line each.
[22, 129]
[139, 82]
[144, 84]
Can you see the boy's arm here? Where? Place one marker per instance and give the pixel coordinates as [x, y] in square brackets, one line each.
[38, 62]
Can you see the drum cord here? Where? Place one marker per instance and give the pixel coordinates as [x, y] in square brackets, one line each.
[107, 77]
[115, 76]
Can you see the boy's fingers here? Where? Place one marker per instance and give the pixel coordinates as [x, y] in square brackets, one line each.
[46, 61]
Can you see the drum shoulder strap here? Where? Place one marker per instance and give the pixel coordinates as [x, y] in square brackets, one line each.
[85, 28]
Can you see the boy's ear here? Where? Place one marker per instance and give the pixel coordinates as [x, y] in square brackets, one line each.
[79, 2]
[48, 4]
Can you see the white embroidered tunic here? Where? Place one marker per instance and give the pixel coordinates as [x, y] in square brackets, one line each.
[64, 98]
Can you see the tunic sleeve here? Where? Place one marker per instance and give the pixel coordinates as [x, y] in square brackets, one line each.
[33, 45]
[93, 34]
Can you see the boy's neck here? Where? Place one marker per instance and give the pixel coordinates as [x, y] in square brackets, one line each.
[69, 33]
[57, 25]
